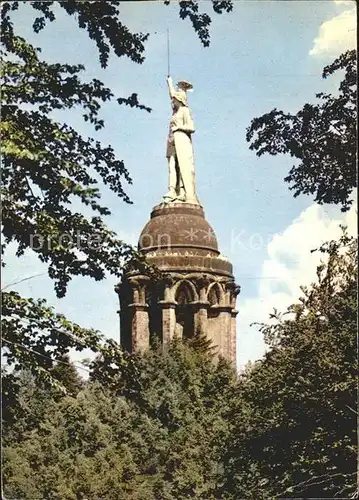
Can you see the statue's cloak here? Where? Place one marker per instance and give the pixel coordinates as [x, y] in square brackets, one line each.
[184, 151]
[185, 158]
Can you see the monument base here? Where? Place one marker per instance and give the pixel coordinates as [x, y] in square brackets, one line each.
[198, 294]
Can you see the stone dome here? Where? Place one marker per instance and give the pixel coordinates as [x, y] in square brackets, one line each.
[178, 226]
[178, 238]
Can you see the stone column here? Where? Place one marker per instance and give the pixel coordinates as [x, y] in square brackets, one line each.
[168, 320]
[200, 307]
[199, 311]
[224, 325]
[140, 327]
[233, 338]
[140, 333]
[234, 290]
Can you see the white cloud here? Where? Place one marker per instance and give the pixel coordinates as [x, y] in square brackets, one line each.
[344, 2]
[336, 35]
[289, 264]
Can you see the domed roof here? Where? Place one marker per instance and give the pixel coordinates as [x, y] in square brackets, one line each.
[178, 226]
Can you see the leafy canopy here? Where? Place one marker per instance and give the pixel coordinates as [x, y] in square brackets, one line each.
[155, 434]
[172, 424]
[294, 417]
[47, 164]
[321, 137]
[49, 170]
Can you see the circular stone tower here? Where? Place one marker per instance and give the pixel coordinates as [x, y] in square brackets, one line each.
[198, 294]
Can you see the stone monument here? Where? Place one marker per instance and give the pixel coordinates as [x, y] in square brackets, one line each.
[198, 294]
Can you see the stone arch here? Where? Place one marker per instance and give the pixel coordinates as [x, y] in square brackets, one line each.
[215, 294]
[184, 292]
[214, 326]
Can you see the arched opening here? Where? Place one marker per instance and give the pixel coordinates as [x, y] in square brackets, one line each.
[214, 295]
[153, 296]
[125, 292]
[184, 313]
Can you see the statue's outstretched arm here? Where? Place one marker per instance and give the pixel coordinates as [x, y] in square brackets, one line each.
[171, 88]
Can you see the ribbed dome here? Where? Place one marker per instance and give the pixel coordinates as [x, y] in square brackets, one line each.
[178, 226]
[178, 238]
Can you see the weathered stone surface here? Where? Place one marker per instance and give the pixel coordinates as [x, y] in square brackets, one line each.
[199, 294]
[178, 238]
[178, 226]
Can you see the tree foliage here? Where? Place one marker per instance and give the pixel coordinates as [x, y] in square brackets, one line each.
[157, 435]
[169, 424]
[49, 170]
[47, 165]
[175, 424]
[321, 137]
[35, 336]
[294, 431]
[201, 21]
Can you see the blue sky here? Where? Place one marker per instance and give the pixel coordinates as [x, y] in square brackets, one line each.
[265, 54]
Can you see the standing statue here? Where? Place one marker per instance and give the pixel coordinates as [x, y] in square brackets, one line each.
[179, 147]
